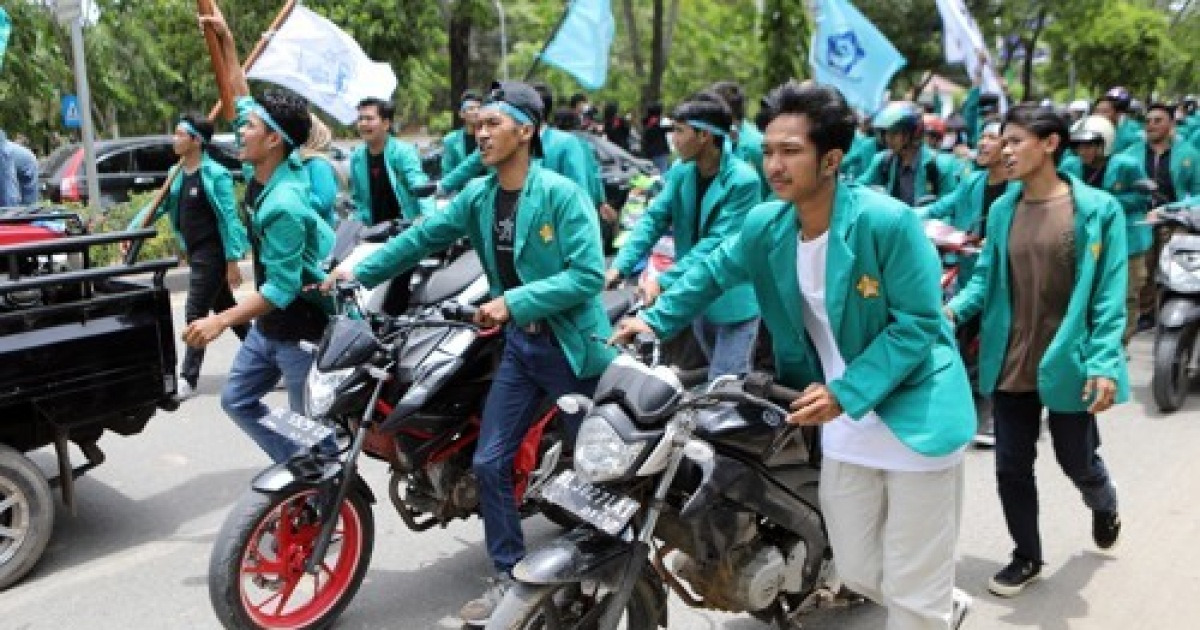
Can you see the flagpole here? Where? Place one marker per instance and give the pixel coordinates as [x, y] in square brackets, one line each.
[537, 61]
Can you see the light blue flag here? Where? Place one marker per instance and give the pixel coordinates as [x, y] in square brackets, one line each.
[581, 45]
[849, 53]
[5, 31]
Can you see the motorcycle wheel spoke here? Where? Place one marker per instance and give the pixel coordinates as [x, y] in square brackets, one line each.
[9, 532]
[286, 593]
[265, 568]
[266, 602]
[6, 504]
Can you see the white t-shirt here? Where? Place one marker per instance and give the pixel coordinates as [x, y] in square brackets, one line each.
[866, 442]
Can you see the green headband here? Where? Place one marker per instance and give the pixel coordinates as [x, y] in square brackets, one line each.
[709, 127]
[192, 131]
[517, 114]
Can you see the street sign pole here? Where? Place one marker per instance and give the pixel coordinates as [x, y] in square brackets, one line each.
[69, 15]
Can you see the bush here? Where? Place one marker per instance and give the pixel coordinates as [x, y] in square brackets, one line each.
[117, 217]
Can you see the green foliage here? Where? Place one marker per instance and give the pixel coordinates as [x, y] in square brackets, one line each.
[1124, 37]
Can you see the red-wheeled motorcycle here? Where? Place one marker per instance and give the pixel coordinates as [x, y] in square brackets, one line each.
[408, 390]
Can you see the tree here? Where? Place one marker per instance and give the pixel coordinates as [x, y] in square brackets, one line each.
[786, 33]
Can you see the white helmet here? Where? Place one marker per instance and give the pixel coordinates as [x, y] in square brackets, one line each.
[1095, 129]
[1080, 106]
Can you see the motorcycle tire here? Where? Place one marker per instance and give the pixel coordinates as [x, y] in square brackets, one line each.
[241, 562]
[1172, 360]
[26, 518]
[523, 605]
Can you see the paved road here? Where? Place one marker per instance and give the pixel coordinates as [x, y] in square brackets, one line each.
[136, 553]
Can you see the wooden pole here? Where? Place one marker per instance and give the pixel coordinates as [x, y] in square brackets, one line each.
[217, 57]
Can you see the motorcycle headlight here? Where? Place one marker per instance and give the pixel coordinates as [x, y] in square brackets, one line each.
[600, 453]
[1190, 261]
[321, 390]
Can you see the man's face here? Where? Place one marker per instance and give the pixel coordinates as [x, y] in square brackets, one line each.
[1158, 125]
[371, 126]
[183, 143]
[1090, 152]
[790, 159]
[258, 140]
[470, 113]
[1024, 152]
[688, 142]
[1108, 110]
[499, 136]
[991, 144]
[896, 141]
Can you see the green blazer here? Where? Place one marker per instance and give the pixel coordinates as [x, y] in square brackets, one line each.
[323, 185]
[858, 160]
[1129, 131]
[884, 302]
[732, 194]
[750, 149]
[1120, 173]
[963, 209]
[1184, 166]
[218, 190]
[454, 150]
[404, 172]
[882, 172]
[1088, 343]
[557, 254]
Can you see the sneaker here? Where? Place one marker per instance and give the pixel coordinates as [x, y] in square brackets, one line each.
[186, 390]
[477, 612]
[962, 605]
[1013, 579]
[1106, 529]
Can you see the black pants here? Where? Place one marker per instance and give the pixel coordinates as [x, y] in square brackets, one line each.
[208, 292]
[1075, 438]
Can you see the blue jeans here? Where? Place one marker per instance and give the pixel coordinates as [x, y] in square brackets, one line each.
[729, 347]
[256, 368]
[532, 369]
[1075, 438]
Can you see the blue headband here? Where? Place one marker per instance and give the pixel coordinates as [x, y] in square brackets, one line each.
[518, 115]
[192, 131]
[703, 126]
[266, 118]
[465, 103]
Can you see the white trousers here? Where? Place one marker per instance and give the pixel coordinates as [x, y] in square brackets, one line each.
[894, 538]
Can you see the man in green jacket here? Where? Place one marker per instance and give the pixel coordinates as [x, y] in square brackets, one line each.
[862, 152]
[1114, 106]
[704, 202]
[539, 242]
[1097, 166]
[289, 240]
[1174, 166]
[460, 143]
[746, 139]
[1050, 285]
[848, 287]
[384, 170]
[907, 169]
[210, 234]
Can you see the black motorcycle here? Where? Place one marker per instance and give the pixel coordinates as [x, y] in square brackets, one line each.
[1178, 329]
[708, 493]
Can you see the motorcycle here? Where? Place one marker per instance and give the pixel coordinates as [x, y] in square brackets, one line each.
[705, 493]
[406, 390]
[1176, 333]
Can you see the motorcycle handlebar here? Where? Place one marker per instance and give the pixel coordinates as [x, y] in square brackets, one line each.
[458, 312]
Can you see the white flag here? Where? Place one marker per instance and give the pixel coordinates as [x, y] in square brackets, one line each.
[962, 40]
[313, 57]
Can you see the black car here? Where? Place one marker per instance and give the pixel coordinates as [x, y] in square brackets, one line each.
[126, 166]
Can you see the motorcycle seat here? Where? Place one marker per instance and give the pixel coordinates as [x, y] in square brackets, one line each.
[446, 283]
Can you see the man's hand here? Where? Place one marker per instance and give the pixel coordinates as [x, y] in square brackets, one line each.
[494, 313]
[629, 328]
[816, 405]
[334, 276]
[608, 213]
[202, 332]
[1101, 392]
[650, 289]
[233, 274]
[611, 278]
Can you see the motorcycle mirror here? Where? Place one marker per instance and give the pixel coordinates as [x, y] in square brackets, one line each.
[574, 404]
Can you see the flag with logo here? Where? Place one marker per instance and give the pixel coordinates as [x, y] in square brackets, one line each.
[581, 45]
[850, 54]
[5, 31]
[313, 57]
[961, 42]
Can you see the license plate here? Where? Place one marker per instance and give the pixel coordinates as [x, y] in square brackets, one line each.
[606, 511]
[303, 431]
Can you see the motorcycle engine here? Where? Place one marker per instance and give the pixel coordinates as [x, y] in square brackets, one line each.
[456, 488]
[751, 578]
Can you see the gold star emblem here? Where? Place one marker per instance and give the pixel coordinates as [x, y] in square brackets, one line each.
[1095, 247]
[1187, 162]
[1118, 186]
[547, 233]
[868, 286]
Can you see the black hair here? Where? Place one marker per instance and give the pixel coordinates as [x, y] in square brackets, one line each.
[708, 107]
[1118, 106]
[543, 91]
[290, 111]
[469, 95]
[201, 124]
[654, 109]
[577, 98]
[386, 109]
[1042, 122]
[610, 111]
[734, 96]
[565, 119]
[831, 121]
[1166, 108]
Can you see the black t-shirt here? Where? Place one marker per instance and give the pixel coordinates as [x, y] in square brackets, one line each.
[1094, 175]
[504, 237]
[702, 185]
[654, 138]
[384, 206]
[197, 221]
[1158, 167]
[469, 143]
[990, 195]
